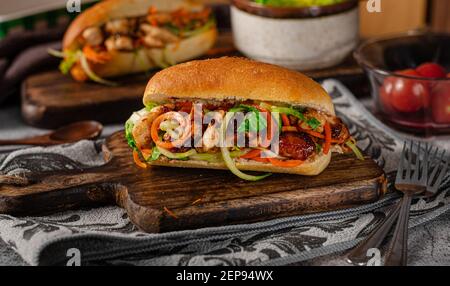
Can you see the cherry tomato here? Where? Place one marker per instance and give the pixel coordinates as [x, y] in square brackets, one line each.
[440, 102]
[385, 94]
[431, 70]
[404, 95]
[448, 75]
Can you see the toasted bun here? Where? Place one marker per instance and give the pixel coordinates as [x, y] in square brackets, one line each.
[309, 168]
[104, 11]
[123, 63]
[239, 79]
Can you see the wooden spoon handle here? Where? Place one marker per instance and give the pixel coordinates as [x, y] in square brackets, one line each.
[38, 140]
[358, 255]
[397, 254]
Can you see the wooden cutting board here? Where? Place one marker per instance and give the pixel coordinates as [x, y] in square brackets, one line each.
[50, 99]
[161, 199]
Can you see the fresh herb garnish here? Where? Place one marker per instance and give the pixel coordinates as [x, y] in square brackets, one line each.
[313, 123]
[298, 112]
[253, 121]
[290, 111]
[318, 148]
[70, 58]
[191, 29]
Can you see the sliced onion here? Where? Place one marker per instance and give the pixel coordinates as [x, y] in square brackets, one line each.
[271, 154]
[56, 53]
[227, 157]
[184, 124]
[355, 150]
[87, 69]
[266, 106]
[213, 158]
[237, 154]
[168, 125]
[176, 156]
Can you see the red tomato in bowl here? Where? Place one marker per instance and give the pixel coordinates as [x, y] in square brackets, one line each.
[385, 94]
[440, 102]
[404, 95]
[431, 70]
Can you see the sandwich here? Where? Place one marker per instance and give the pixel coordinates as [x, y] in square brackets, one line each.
[239, 115]
[119, 37]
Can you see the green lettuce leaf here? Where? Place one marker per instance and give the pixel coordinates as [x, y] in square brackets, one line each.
[155, 154]
[70, 58]
[254, 121]
[129, 135]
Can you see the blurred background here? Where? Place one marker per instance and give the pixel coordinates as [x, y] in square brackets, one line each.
[398, 16]
[32, 89]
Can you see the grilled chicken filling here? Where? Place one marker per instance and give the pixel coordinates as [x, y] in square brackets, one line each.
[156, 132]
[156, 30]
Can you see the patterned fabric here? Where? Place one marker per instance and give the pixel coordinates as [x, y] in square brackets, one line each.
[106, 236]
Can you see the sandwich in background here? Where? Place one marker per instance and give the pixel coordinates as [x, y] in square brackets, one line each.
[119, 37]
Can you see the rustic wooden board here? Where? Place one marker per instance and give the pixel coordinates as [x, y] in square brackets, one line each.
[225, 199]
[50, 99]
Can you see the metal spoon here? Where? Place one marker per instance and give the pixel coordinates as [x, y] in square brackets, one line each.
[67, 134]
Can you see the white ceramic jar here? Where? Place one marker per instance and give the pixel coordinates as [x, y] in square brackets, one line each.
[303, 41]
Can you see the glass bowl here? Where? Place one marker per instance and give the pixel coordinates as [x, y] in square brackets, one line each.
[408, 100]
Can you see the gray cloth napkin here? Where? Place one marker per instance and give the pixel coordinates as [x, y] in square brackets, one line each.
[106, 236]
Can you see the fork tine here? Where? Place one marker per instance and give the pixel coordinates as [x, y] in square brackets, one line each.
[415, 175]
[409, 153]
[401, 168]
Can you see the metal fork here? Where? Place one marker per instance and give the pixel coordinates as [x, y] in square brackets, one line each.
[358, 255]
[412, 180]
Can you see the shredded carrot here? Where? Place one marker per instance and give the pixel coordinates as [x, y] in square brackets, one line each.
[251, 154]
[154, 23]
[170, 213]
[152, 10]
[285, 120]
[155, 137]
[270, 128]
[94, 56]
[321, 136]
[78, 73]
[138, 161]
[259, 159]
[327, 145]
[285, 164]
[255, 155]
[196, 201]
[146, 153]
[289, 129]
[313, 133]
